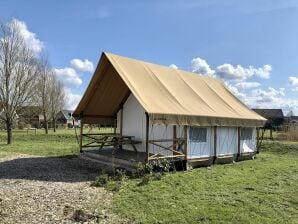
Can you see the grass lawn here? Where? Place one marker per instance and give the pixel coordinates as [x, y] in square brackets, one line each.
[61, 143]
[264, 190]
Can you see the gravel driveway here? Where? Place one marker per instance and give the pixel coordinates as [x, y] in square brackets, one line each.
[51, 190]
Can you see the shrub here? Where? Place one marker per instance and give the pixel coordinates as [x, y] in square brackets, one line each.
[145, 180]
[143, 169]
[120, 175]
[156, 176]
[100, 181]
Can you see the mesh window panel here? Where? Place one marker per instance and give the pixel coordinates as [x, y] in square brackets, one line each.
[198, 134]
[246, 134]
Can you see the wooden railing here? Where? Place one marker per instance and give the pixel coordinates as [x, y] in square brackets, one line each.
[176, 147]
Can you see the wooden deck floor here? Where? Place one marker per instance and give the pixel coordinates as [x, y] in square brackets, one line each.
[115, 157]
[119, 154]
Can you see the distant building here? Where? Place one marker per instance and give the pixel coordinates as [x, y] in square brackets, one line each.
[31, 115]
[65, 117]
[275, 117]
[292, 120]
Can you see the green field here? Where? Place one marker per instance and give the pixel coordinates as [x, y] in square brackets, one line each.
[264, 190]
[61, 143]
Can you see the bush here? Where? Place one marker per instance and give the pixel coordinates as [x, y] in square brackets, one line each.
[120, 175]
[100, 181]
[143, 169]
[156, 176]
[145, 180]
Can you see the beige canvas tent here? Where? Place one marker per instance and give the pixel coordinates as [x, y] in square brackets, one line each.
[167, 112]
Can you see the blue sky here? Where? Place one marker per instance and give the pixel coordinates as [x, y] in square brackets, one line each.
[251, 45]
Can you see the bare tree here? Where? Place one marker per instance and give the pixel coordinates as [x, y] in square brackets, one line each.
[43, 88]
[57, 98]
[18, 72]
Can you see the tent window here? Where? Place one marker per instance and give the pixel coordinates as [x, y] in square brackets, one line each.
[198, 134]
[246, 134]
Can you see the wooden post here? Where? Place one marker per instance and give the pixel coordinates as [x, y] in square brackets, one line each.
[81, 135]
[215, 144]
[147, 136]
[185, 144]
[174, 137]
[121, 120]
[271, 136]
[238, 147]
[258, 139]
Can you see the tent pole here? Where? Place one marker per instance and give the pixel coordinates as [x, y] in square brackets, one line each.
[81, 135]
[174, 136]
[121, 120]
[215, 143]
[238, 147]
[147, 137]
[258, 139]
[185, 145]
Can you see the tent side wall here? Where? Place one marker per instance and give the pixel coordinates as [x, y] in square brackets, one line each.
[199, 147]
[134, 124]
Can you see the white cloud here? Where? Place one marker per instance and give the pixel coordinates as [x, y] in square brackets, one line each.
[247, 85]
[266, 98]
[68, 76]
[72, 100]
[293, 80]
[200, 66]
[30, 38]
[228, 71]
[82, 65]
[173, 66]
[264, 72]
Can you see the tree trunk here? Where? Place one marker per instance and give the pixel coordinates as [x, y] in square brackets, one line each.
[9, 131]
[54, 124]
[46, 125]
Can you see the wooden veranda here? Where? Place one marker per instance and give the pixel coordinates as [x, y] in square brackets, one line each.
[177, 147]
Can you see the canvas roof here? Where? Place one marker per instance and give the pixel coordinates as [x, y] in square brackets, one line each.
[168, 95]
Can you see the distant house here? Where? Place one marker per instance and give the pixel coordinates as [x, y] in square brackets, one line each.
[65, 117]
[275, 117]
[293, 120]
[31, 115]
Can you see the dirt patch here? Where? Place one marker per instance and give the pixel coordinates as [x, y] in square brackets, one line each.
[51, 190]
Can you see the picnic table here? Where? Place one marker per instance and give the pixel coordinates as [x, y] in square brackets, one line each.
[111, 139]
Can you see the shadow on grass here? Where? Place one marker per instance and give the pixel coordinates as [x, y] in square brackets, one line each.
[53, 169]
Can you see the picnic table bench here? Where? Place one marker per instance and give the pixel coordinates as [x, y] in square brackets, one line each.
[111, 139]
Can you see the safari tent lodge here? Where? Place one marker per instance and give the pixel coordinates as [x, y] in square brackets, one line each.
[160, 112]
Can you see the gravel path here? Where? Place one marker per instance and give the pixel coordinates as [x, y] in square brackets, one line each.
[51, 190]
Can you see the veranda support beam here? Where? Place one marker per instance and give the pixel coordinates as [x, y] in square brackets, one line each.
[174, 136]
[147, 136]
[238, 146]
[215, 144]
[258, 139]
[81, 135]
[121, 119]
[185, 145]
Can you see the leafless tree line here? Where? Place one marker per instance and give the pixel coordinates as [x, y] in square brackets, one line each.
[25, 79]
